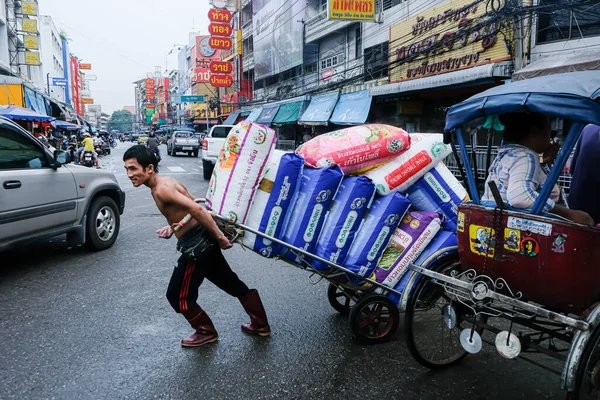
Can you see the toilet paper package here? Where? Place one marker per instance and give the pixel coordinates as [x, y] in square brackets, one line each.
[425, 152]
[409, 240]
[438, 190]
[308, 208]
[350, 203]
[271, 202]
[374, 234]
[239, 169]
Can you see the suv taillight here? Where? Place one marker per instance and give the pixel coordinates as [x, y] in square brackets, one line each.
[174, 140]
[205, 145]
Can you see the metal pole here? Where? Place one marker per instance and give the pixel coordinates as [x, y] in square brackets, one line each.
[207, 127]
[48, 82]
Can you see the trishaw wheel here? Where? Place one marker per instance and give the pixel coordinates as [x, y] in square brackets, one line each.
[374, 319]
[429, 340]
[587, 380]
[339, 300]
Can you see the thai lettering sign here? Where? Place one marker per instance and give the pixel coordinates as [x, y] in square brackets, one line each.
[215, 15]
[357, 10]
[444, 39]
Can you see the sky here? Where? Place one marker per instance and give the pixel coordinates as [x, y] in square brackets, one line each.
[125, 39]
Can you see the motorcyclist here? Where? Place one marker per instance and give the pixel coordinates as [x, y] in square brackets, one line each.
[88, 146]
[153, 144]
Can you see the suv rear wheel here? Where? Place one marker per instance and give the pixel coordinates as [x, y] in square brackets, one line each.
[103, 223]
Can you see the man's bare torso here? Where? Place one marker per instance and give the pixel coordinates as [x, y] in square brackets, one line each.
[172, 212]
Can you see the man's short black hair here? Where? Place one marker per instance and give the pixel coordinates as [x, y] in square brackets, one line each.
[518, 125]
[142, 154]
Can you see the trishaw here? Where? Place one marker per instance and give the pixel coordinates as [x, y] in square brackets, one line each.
[529, 278]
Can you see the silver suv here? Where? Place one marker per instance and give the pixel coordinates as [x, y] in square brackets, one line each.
[41, 197]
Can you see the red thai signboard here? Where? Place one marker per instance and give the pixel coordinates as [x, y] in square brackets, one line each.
[220, 43]
[217, 29]
[150, 105]
[219, 15]
[221, 80]
[221, 67]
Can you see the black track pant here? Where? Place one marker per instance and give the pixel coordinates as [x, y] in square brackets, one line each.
[190, 273]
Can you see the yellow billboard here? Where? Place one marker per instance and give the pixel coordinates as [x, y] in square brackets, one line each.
[32, 58]
[29, 8]
[29, 25]
[31, 42]
[11, 94]
[452, 37]
[357, 10]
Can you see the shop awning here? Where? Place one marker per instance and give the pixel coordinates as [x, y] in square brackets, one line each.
[268, 114]
[352, 108]
[319, 110]
[231, 118]
[35, 101]
[588, 60]
[288, 113]
[437, 81]
[254, 114]
[22, 114]
[65, 125]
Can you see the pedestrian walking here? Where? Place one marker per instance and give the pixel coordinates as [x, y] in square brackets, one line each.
[200, 241]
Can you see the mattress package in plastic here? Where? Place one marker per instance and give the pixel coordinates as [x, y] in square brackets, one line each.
[310, 203]
[426, 151]
[271, 202]
[349, 206]
[355, 149]
[438, 190]
[239, 169]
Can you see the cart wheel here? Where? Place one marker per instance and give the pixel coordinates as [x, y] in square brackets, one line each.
[374, 319]
[339, 300]
[429, 340]
[587, 379]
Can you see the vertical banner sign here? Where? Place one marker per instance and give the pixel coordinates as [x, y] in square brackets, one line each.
[31, 42]
[29, 8]
[216, 29]
[220, 43]
[221, 80]
[215, 15]
[29, 25]
[352, 10]
[221, 67]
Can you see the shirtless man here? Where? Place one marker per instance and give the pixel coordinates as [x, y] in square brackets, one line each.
[200, 242]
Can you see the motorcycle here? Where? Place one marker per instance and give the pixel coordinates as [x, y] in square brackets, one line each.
[88, 159]
[105, 147]
[113, 142]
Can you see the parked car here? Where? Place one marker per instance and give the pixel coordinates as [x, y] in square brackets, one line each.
[183, 141]
[44, 196]
[211, 147]
[142, 139]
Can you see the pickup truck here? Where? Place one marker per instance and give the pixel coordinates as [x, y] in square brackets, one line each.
[183, 141]
[211, 147]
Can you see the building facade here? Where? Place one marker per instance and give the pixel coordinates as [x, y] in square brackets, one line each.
[52, 56]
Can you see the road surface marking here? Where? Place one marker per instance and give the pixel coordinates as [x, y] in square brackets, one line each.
[176, 169]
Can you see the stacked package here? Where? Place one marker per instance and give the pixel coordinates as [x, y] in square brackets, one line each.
[239, 169]
[272, 200]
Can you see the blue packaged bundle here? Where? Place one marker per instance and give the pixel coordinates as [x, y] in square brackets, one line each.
[308, 208]
[375, 233]
[271, 201]
[349, 206]
[439, 191]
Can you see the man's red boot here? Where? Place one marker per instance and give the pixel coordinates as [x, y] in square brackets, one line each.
[205, 330]
[259, 325]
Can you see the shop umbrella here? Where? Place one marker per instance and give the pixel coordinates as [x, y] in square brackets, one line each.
[22, 114]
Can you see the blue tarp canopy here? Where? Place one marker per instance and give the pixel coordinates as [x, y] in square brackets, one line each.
[352, 109]
[572, 96]
[65, 125]
[268, 114]
[254, 114]
[319, 110]
[35, 101]
[232, 118]
[23, 114]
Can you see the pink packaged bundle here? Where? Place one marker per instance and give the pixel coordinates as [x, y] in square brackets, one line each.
[355, 149]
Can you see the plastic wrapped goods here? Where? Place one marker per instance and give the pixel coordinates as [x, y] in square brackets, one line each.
[355, 149]
[239, 169]
[350, 203]
[411, 238]
[271, 202]
[375, 233]
[308, 208]
[426, 151]
[438, 190]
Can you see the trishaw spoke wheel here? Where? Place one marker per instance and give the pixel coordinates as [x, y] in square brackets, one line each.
[587, 379]
[339, 300]
[374, 319]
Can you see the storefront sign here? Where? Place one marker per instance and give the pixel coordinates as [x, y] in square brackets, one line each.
[352, 10]
[220, 43]
[32, 58]
[221, 80]
[219, 3]
[221, 67]
[201, 75]
[215, 15]
[87, 100]
[31, 42]
[150, 105]
[85, 66]
[216, 29]
[149, 83]
[203, 46]
[444, 39]
[29, 25]
[29, 8]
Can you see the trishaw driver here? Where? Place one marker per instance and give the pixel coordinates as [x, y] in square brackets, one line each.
[200, 242]
[517, 171]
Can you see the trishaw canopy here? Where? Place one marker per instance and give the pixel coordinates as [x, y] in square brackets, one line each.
[571, 96]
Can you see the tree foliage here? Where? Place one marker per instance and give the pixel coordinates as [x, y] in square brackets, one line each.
[121, 121]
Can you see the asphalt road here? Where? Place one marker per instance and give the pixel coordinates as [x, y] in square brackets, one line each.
[75, 324]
